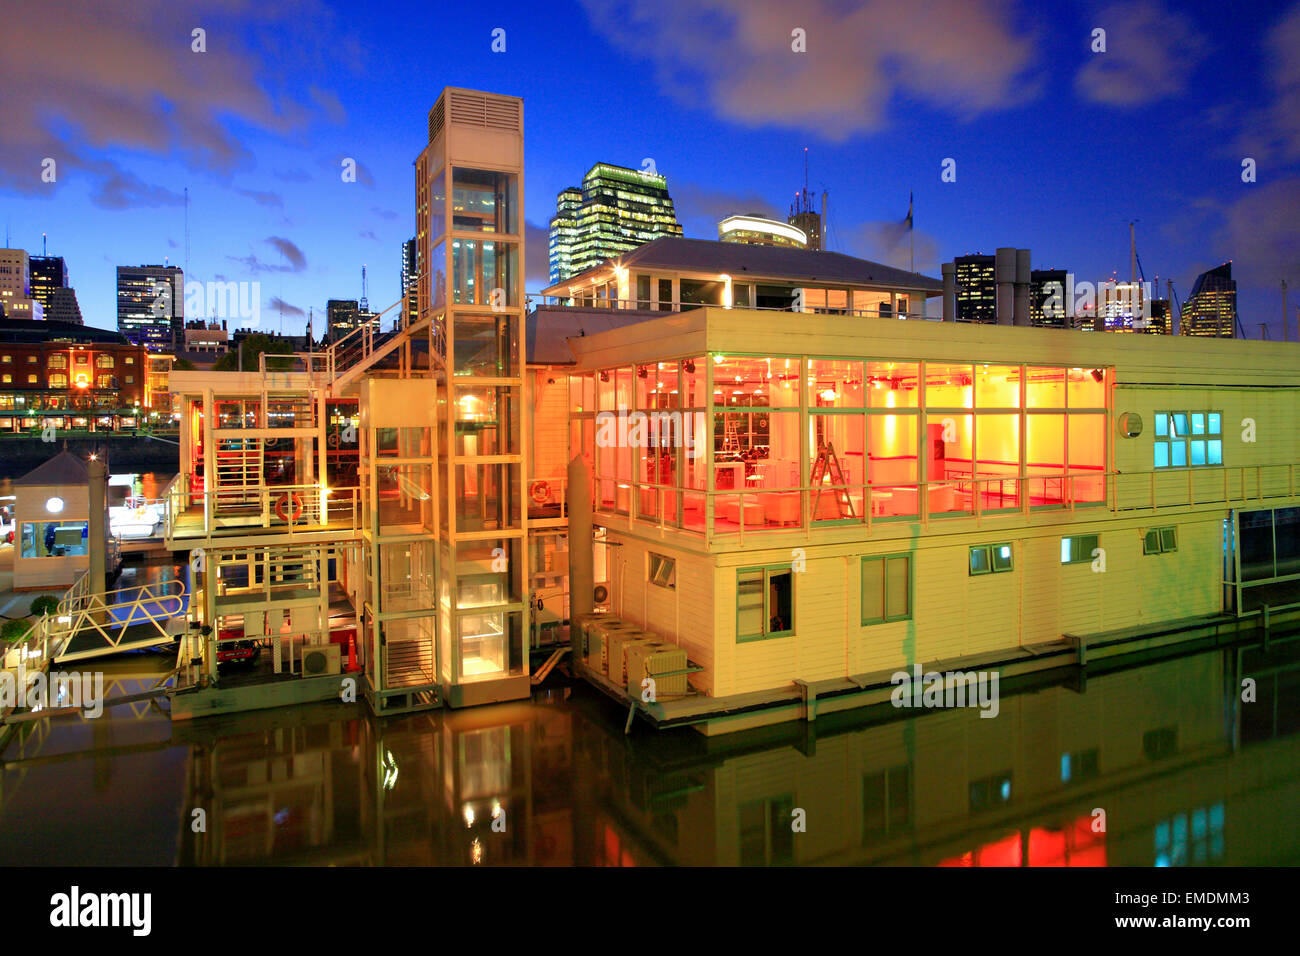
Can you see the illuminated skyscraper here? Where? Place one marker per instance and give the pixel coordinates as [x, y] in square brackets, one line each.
[1211, 309]
[151, 305]
[410, 272]
[1047, 310]
[615, 210]
[977, 297]
[758, 231]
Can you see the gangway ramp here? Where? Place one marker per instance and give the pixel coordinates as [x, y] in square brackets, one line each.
[89, 625]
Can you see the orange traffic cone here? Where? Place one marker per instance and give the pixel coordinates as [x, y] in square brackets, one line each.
[353, 666]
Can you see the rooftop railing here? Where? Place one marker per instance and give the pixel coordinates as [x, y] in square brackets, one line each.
[650, 305]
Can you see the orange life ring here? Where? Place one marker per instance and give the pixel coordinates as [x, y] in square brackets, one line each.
[289, 507]
[540, 492]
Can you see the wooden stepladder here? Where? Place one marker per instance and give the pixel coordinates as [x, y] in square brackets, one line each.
[730, 435]
[826, 466]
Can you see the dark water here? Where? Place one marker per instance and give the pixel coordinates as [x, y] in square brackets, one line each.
[151, 484]
[1184, 772]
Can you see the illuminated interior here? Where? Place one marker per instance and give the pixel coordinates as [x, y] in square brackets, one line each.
[881, 439]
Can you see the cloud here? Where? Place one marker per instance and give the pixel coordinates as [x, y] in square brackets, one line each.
[293, 175]
[701, 204]
[83, 77]
[369, 234]
[278, 305]
[287, 249]
[1272, 131]
[736, 57]
[1150, 55]
[888, 242]
[272, 199]
[333, 166]
[537, 253]
[1259, 234]
[383, 213]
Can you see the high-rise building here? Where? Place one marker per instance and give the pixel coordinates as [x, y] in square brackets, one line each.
[341, 317]
[16, 288]
[151, 305]
[758, 231]
[977, 293]
[615, 210]
[49, 279]
[806, 219]
[1049, 307]
[1211, 309]
[410, 272]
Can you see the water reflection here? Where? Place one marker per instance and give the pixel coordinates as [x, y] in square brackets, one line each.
[1184, 772]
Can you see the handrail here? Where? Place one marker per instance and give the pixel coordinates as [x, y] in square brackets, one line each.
[292, 507]
[1116, 492]
[653, 305]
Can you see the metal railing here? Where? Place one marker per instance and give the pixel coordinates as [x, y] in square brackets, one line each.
[800, 508]
[111, 614]
[653, 305]
[289, 508]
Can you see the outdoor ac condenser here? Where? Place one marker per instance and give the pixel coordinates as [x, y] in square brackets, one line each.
[321, 660]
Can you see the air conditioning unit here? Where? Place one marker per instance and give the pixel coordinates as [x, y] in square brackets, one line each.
[321, 660]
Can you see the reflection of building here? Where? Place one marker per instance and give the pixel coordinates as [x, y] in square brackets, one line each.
[758, 231]
[616, 210]
[1211, 309]
[69, 376]
[976, 289]
[151, 305]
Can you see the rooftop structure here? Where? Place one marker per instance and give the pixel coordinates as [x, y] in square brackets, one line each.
[756, 230]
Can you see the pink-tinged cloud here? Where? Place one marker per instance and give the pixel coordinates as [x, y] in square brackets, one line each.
[736, 57]
[1150, 54]
[82, 77]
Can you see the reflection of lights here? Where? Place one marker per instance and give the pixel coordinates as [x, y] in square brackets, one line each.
[390, 770]
[469, 815]
[476, 852]
[496, 809]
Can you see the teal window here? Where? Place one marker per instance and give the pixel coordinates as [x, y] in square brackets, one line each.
[1188, 439]
[1160, 541]
[1077, 549]
[990, 558]
[886, 588]
[764, 603]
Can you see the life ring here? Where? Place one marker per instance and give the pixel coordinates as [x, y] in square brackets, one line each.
[289, 507]
[540, 492]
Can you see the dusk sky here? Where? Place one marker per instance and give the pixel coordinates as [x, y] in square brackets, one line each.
[1056, 147]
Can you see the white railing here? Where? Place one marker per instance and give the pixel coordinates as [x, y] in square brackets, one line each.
[289, 508]
[652, 305]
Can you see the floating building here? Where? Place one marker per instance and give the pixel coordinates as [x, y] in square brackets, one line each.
[724, 479]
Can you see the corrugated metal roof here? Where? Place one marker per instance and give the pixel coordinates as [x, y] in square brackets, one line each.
[738, 259]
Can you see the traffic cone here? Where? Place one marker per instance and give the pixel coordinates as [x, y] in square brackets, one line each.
[353, 666]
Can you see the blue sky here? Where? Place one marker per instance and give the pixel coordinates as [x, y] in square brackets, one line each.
[1056, 147]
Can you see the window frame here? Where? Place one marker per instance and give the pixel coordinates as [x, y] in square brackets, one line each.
[990, 559]
[1086, 557]
[1161, 545]
[765, 634]
[886, 618]
[1165, 435]
[655, 563]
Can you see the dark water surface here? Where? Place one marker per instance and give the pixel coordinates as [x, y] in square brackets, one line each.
[1184, 772]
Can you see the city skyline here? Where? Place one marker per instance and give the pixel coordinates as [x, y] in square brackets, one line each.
[263, 206]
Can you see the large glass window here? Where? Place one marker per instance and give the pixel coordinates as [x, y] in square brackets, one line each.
[54, 539]
[481, 268]
[486, 345]
[487, 420]
[484, 201]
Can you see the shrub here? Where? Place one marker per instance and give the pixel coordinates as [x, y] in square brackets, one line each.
[14, 630]
[44, 605]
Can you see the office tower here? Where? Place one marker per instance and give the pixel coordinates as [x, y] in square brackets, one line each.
[49, 281]
[615, 210]
[1211, 309]
[1049, 304]
[341, 317]
[151, 305]
[977, 299]
[15, 286]
[410, 272]
[758, 231]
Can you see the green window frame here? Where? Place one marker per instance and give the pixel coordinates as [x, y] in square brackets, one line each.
[662, 570]
[755, 592]
[1187, 439]
[991, 558]
[887, 588]
[1078, 548]
[1160, 541]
